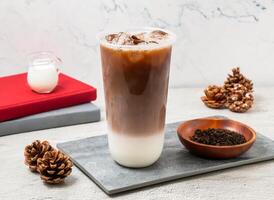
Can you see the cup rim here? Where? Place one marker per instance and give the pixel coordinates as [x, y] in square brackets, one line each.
[101, 38]
[51, 56]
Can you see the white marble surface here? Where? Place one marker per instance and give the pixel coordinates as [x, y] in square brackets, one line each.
[213, 35]
[250, 182]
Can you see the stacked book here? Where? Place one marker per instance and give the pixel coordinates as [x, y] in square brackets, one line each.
[22, 110]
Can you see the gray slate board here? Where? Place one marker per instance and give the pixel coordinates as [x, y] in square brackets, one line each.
[79, 114]
[91, 155]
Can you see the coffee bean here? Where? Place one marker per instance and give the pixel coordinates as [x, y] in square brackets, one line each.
[218, 137]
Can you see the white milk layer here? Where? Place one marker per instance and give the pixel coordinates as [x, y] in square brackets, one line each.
[43, 78]
[132, 151]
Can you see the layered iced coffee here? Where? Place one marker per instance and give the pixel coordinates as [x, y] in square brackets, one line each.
[136, 72]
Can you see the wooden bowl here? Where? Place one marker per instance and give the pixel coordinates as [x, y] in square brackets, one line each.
[187, 129]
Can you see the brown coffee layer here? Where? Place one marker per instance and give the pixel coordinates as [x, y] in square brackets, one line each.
[136, 85]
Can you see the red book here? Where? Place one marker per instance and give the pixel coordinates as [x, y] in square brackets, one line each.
[18, 100]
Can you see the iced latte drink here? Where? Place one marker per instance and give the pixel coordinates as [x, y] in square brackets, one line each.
[136, 72]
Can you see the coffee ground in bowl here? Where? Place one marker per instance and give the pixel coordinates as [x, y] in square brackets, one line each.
[218, 137]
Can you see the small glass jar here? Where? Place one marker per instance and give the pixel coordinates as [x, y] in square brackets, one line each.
[43, 71]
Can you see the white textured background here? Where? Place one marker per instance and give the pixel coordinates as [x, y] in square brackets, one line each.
[213, 35]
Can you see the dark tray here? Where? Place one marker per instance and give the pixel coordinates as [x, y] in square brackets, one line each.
[91, 155]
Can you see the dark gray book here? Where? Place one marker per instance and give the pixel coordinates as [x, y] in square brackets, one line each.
[79, 114]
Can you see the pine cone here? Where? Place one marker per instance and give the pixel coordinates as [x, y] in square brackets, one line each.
[215, 97]
[237, 78]
[34, 151]
[54, 167]
[240, 99]
[236, 93]
[242, 105]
